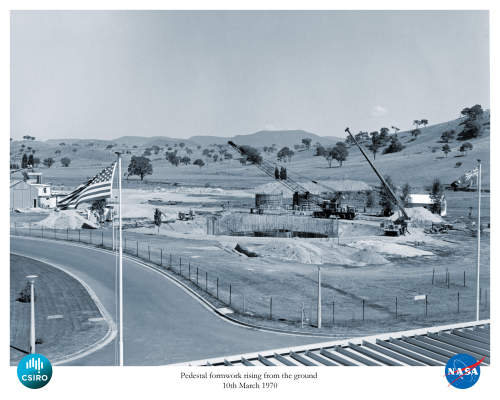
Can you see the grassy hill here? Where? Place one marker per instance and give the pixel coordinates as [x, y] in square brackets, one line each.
[417, 164]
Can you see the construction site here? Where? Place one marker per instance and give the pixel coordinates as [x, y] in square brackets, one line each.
[256, 251]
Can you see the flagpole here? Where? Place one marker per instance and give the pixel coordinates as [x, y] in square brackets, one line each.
[120, 252]
[478, 237]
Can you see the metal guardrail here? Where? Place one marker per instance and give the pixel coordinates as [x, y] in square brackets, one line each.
[423, 347]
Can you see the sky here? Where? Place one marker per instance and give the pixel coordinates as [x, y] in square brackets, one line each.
[108, 74]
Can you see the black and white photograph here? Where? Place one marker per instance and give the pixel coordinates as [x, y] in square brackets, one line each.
[250, 188]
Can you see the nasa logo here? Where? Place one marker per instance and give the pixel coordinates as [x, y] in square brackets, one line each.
[462, 371]
[34, 371]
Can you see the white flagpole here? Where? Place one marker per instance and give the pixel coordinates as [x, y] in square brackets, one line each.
[478, 237]
[120, 282]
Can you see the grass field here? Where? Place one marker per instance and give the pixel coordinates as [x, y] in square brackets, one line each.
[63, 309]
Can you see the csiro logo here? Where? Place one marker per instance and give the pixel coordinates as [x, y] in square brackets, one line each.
[462, 371]
[34, 371]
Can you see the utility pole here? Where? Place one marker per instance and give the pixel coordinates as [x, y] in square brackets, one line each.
[32, 323]
[478, 236]
[120, 252]
[319, 297]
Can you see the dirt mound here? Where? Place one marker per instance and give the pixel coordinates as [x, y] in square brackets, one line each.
[306, 252]
[66, 219]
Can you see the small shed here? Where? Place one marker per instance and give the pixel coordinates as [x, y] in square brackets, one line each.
[427, 201]
[23, 195]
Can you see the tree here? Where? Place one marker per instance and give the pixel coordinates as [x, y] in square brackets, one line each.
[48, 162]
[199, 162]
[405, 192]
[375, 143]
[384, 135]
[185, 160]
[416, 122]
[24, 161]
[65, 161]
[424, 122]
[320, 150]
[446, 149]
[385, 198]
[395, 146]
[472, 125]
[36, 161]
[99, 206]
[307, 142]
[57, 152]
[140, 166]
[436, 194]
[284, 154]
[147, 152]
[370, 200]
[182, 144]
[251, 154]
[283, 174]
[329, 155]
[446, 136]
[395, 128]
[416, 132]
[172, 158]
[340, 152]
[276, 173]
[30, 160]
[157, 218]
[465, 147]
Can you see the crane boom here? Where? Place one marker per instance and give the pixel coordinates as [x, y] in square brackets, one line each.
[268, 168]
[391, 192]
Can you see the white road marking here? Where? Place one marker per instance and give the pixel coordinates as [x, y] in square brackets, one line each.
[55, 316]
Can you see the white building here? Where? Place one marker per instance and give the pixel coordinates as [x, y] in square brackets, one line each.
[426, 201]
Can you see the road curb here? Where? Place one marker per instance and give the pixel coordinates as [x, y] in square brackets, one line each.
[190, 291]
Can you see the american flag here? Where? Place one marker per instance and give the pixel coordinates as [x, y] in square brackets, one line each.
[99, 187]
[469, 174]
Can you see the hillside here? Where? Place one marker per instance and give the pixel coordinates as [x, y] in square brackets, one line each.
[417, 164]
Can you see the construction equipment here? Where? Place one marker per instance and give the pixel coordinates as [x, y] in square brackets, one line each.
[182, 216]
[392, 228]
[329, 207]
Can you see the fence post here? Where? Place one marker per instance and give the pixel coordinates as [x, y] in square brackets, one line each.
[363, 303]
[426, 305]
[458, 302]
[189, 270]
[243, 304]
[396, 307]
[137, 248]
[229, 294]
[271, 308]
[480, 293]
[102, 239]
[180, 265]
[197, 277]
[448, 278]
[433, 271]
[42, 231]
[206, 281]
[161, 257]
[217, 287]
[302, 316]
[464, 278]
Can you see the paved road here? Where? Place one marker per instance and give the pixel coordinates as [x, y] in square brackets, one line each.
[162, 323]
